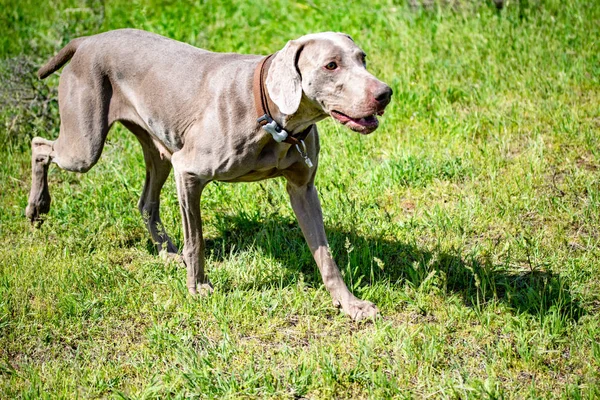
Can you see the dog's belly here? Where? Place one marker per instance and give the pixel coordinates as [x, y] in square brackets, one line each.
[254, 176]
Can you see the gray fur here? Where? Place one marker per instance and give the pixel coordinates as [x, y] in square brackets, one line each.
[193, 110]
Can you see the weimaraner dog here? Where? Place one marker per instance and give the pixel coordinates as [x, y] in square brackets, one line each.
[211, 116]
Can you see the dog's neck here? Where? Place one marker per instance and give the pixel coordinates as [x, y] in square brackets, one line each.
[308, 114]
[297, 125]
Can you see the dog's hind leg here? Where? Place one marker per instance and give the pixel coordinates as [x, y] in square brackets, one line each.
[39, 196]
[84, 125]
[157, 172]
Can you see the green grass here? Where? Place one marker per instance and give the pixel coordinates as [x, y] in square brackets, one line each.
[471, 218]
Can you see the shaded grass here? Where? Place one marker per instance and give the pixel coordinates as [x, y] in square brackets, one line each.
[470, 218]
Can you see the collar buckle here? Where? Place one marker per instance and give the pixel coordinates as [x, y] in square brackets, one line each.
[279, 134]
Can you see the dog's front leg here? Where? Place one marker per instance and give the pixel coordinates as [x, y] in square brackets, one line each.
[189, 190]
[306, 205]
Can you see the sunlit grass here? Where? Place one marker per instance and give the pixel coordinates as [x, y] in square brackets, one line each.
[470, 217]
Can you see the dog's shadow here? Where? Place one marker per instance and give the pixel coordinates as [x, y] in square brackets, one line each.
[377, 259]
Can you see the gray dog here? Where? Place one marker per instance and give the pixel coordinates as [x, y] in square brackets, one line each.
[212, 116]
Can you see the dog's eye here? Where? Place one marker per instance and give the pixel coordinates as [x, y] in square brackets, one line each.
[331, 66]
[364, 59]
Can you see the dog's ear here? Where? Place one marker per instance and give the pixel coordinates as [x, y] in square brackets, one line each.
[284, 83]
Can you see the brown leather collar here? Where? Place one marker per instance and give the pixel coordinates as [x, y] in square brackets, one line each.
[261, 101]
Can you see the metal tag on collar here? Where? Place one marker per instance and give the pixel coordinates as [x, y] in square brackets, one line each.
[278, 133]
[302, 152]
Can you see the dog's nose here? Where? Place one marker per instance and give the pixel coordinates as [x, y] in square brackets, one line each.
[384, 95]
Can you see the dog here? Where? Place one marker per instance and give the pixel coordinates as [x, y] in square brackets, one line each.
[211, 116]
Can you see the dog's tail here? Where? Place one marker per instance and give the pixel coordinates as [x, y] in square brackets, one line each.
[61, 58]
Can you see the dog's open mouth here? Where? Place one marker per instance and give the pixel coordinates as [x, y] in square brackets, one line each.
[364, 125]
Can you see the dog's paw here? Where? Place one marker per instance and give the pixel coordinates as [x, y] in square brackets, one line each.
[35, 209]
[205, 289]
[32, 213]
[201, 289]
[360, 309]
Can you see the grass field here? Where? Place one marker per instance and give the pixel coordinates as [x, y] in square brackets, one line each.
[471, 217]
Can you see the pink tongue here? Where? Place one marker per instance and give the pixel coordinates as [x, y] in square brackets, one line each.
[343, 118]
[368, 121]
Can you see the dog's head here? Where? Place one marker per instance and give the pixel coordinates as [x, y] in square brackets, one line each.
[329, 71]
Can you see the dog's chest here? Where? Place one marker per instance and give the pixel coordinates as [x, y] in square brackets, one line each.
[265, 162]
